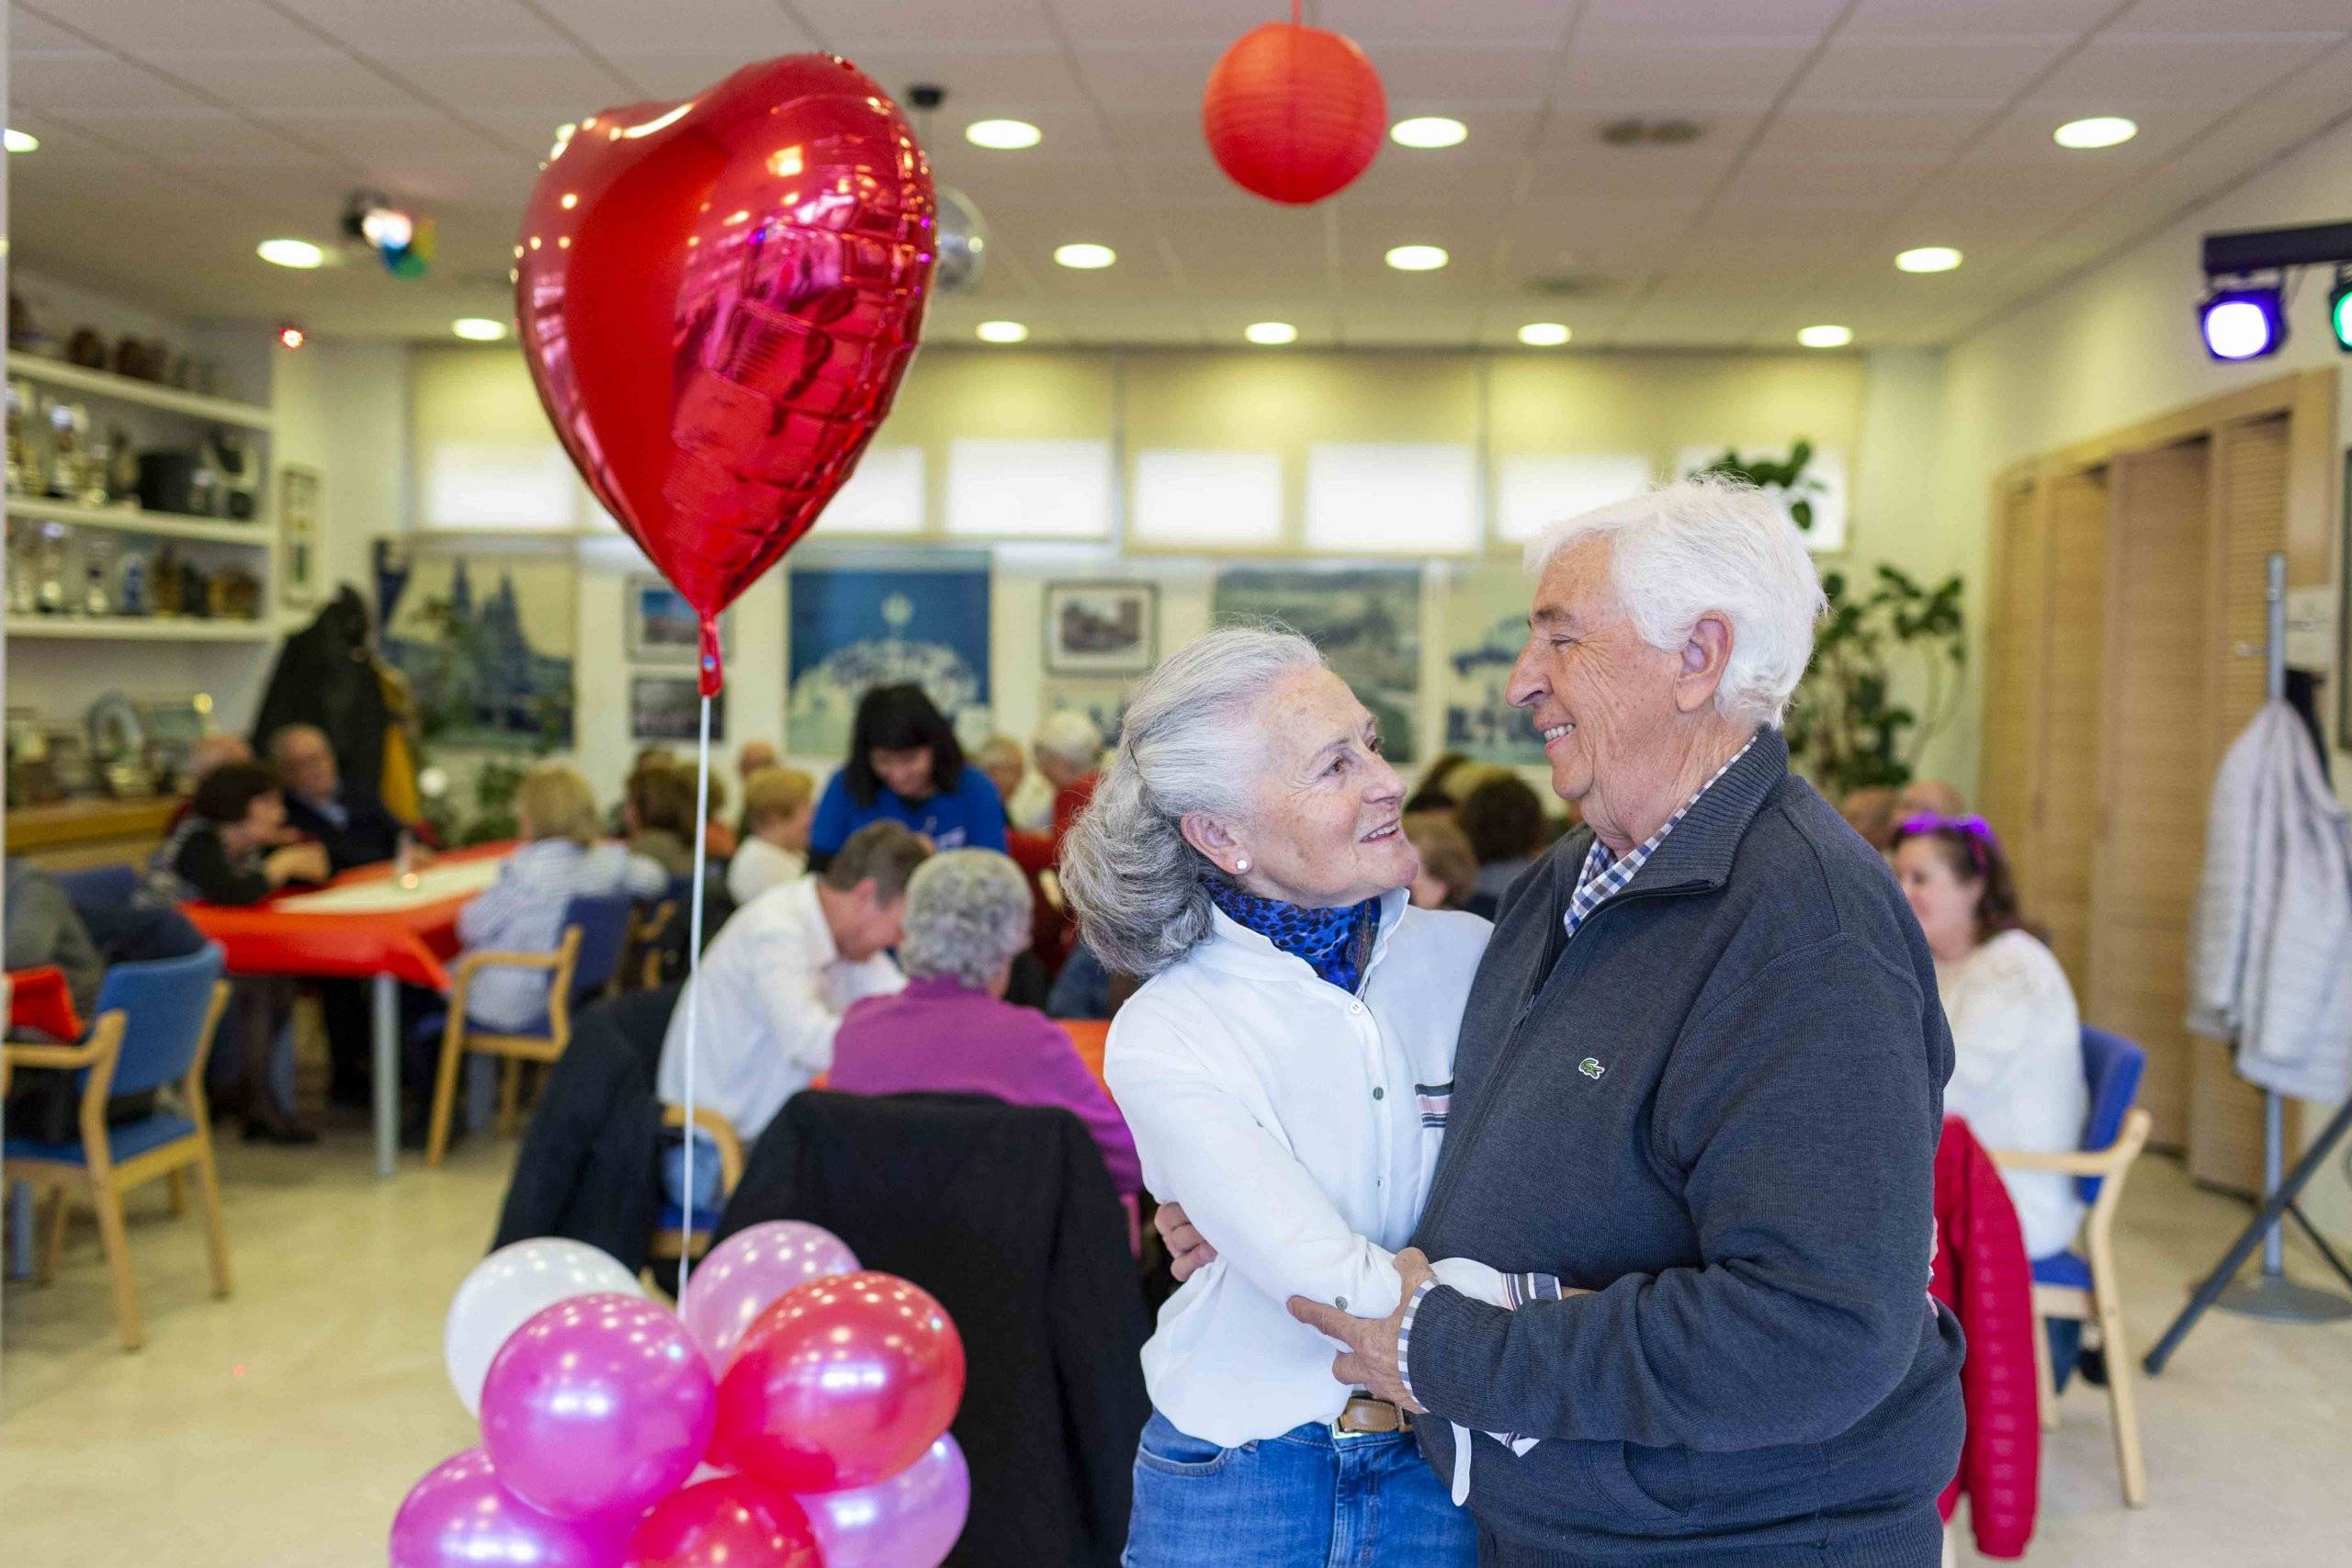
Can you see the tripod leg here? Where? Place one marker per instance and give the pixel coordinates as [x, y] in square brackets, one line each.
[2326, 1250]
[2210, 1290]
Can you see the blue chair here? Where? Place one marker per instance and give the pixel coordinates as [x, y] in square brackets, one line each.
[101, 887]
[155, 1024]
[674, 1234]
[2085, 1285]
[585, 964]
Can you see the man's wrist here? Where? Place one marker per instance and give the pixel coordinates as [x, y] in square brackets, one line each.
[1405, 1337]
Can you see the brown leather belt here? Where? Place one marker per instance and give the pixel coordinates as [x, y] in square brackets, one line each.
[1367, 1417]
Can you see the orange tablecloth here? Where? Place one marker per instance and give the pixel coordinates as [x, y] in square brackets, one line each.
[409, 944]
[1089, 1036]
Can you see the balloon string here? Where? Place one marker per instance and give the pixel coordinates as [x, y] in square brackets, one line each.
[693, 989]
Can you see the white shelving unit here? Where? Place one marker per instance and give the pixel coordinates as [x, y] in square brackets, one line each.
[125, 628]
[258, 534]
[132, 520]
[129, 390]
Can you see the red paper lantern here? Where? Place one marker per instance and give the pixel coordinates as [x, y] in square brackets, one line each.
[1293, 113]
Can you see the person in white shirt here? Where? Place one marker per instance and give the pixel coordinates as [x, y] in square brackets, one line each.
[778, 976]
[778, 806]
[1287, 1071]
[2016, 1076]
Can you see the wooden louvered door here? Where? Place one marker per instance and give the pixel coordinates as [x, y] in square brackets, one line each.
[2249, 523]
[2151, 788]
[2066, 759]
[2014, 649]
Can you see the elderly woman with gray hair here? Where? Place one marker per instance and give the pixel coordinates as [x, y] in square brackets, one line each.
[1286, 1069]
[951, 1031]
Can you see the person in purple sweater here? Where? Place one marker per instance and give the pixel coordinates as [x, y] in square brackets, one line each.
[951, 1031]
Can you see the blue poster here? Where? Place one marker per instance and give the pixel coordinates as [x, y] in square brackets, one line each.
[919, 619]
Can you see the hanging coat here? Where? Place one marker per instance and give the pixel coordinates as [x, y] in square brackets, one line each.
[2270, 956]
[326, 676]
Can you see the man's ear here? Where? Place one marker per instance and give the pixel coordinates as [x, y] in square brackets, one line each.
[1706, 654]
[1213, 839]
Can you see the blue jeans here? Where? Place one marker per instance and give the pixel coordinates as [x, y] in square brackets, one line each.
[673, 1170]
[1302, 1500]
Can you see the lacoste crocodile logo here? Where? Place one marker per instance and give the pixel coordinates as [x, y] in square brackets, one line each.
[1590, 1067]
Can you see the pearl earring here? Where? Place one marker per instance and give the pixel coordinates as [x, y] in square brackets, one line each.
[1241, 864]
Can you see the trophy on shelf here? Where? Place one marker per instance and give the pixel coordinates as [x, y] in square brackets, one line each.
[69, 436]
[23, 552]
[22, 455]
[97, 576]
[119, 740]
[48, 570]
[130, 584]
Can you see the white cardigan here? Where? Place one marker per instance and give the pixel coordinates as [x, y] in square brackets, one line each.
[2270, 958]
[1298, 1127]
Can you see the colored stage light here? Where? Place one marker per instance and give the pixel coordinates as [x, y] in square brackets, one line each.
[2243, 324]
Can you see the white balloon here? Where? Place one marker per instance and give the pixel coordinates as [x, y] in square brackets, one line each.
[506, 1289]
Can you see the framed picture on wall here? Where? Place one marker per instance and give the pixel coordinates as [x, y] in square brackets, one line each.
[1102, 628]
[669, 707]
[297, 521]
[661, 627]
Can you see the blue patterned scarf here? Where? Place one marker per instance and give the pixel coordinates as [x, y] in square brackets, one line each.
[1335, 943]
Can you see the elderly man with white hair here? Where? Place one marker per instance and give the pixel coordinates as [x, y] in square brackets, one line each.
[1700, 1082]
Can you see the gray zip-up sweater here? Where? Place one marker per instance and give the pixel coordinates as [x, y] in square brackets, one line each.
[1716, 1107]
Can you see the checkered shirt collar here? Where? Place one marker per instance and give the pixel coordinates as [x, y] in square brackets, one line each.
[1602, 879]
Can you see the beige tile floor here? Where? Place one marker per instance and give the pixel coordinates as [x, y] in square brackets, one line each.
[283, 1426]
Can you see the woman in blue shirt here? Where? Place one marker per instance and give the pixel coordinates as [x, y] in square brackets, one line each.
[905, 766]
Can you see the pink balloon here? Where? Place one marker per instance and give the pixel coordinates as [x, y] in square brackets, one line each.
[911, 1521]
[731, 1522]
[599, 1404]
[746, 1274]
[460, 1516]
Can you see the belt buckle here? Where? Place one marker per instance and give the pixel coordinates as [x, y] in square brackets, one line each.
[1399, 1421]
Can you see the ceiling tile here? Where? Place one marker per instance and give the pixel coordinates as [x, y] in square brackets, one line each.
[1975, 66]
[554, 76]
[148, 32]
[2238, 16]
[94, 87]
[746, 30]
[1678, 78]
[1610, 20]
[311, 80]
[1215, 22]
[423, 27]
[1914, 17]
[2123, 68]
[1872, 131]
[850, 27]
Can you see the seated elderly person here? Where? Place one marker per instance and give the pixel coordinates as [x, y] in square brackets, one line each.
[351, 824]
[951, 1031]
[778, 806]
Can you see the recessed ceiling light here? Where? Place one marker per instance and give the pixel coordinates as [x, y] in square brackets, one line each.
[1826, 336]
[2099, 131]
[1085, 257]
[1927, 258]
[1429, 130]
[1002, 332]
[1544, 334]
[1003, 135]
[478, 329]
[1271, 333]
[299, 254]
[22, 140]
[1417, 258]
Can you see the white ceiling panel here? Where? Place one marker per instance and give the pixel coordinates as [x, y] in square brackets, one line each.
[1971, 66]
[634, 29]
[1648, 20]
[1890, 131]
[2244, 16]
[1672, 77]
[1902, 19]
[424, 27]
[2216, 69]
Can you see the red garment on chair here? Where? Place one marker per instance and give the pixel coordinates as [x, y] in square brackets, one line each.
[1983, 1274]
[38, 999]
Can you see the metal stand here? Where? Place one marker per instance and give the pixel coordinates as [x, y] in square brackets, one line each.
[2270, 1296]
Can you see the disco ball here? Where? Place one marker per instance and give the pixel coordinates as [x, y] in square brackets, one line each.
[963, 245]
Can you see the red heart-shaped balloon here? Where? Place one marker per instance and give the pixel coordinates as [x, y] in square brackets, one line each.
[718, 299]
